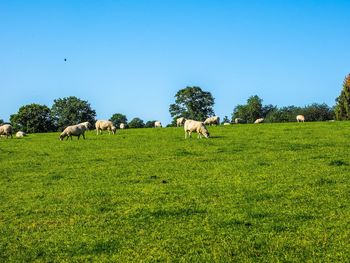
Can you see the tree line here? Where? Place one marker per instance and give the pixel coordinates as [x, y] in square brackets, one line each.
[35, 117]
[194, 103]
[190, 102]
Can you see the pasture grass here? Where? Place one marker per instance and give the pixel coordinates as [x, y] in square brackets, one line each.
[251, 193]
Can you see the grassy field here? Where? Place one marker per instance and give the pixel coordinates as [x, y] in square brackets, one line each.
[267, 193]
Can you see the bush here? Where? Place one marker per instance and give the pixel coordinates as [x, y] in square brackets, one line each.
[136, 123]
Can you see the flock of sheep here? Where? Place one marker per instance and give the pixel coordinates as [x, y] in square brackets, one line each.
[102, 125]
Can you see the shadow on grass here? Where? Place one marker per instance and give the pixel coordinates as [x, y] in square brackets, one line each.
[216, 137]
[338, 163]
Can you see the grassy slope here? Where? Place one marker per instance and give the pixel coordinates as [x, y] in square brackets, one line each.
[271, 192]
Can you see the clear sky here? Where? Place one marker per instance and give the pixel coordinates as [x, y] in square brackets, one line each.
[133, 56]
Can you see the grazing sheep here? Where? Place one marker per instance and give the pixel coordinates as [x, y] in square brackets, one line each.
[239, 120]
[227, 123]
[102, 125]
[122, 126]
[180, 121]
[157, 124]
[195, 126]
[212, 120]
[20, 134]
[261, 120]
[6, 130]
[300, 118]
[74, 130]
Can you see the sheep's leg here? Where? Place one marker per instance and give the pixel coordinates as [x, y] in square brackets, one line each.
[84, 135]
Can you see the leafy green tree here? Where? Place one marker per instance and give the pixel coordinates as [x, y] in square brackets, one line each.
[284, 114]
[71, 110]
[192, 103]
[226, 119]
[241, 112]
[318, 112]
[118, 118]
[249, 112]
[33, 118]
[150, 124]
[267, 109]
[136, 123]
[254, 108]
[342, 107]
[1, 121]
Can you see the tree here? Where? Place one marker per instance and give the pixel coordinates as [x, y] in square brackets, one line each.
[318, 112]
[241, 112]
[249, 112]
[33, 118]
[267, 109]
[71, 110]
[192, 103]
[150, 124]
[254, 108]
[226, 119]
[342, 108]
[1, 121]
[136, 123]
[118, 118]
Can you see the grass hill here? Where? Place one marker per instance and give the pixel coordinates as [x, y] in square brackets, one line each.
[270, 192]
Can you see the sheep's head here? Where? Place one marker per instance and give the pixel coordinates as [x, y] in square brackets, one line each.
[62, 135]
[204, 132]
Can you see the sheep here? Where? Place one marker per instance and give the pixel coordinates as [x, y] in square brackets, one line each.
[212, 120]
[20, 134]
[122, 126]
[6, 130]
[239, 120]
[74, 130]
[300, 118]
[260, 120]
[180, 121]
[157, 124]
[195, 126]
[105, 125]
[226, 123]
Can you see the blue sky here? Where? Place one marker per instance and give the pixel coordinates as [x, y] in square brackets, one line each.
[133, 56]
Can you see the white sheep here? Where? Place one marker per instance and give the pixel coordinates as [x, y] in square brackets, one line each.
[300, 118]
[195, 126]
[239, 120]
[6, 130]
[260, 120]
[157, 124]
[102, 125]
[74, 130]
[212, 120]
[20, 134]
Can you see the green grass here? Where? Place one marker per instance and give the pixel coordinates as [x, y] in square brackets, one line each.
[267, 193]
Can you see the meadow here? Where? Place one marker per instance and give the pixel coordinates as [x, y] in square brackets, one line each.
[251, 193]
